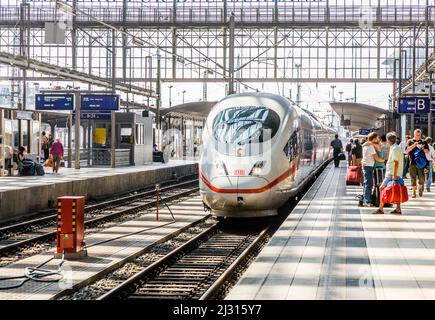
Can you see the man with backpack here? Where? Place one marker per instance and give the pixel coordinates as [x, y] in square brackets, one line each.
[417, 150]
[349, 151]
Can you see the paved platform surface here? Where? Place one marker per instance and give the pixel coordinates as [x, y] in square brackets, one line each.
[101, 256]
[70, 174]
[21, 196]
[329, 248]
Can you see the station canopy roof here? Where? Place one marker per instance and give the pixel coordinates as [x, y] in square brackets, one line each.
[360, 115]
[195, 109]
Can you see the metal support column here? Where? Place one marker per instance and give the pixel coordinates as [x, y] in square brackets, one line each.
[275, 53]
[113, 123]
[174, 52]
[402, 116]
[70, 140]
[2, 143]
[124, 50]
[77, 106]
[159, 98]
[429, 116]
[232, 25]
[89, 143]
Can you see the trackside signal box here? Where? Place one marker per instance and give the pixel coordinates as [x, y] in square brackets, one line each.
[70, 226]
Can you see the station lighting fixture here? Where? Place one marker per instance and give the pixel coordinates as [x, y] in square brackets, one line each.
[138, 41]
[65, 7]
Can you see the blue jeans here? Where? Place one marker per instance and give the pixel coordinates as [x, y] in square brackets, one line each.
[368, 184]
[429, 175]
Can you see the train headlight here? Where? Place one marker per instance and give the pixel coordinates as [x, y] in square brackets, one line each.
[221, 168]
[257, 169]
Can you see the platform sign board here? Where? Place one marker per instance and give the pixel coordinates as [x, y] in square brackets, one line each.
[364, 131]
[423, 119]
[407, 105]
[419, 105]
[99, 102]
[422, 105]
[24, 115]
[54, 101]
[94, 116]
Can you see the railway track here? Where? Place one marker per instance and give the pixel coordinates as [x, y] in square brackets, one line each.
[198, 269]
[19, 235]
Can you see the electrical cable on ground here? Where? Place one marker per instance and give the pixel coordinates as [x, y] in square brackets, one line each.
[40, 275]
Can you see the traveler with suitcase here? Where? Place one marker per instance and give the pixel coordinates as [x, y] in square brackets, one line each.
[28, 167]
[357, 153]
[393, 171]
[368, 163]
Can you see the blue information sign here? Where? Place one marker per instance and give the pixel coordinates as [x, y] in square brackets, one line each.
[365, 132]
[418, 105]
[99, 102]
[53, 101]
[422, 105]
[407, 105]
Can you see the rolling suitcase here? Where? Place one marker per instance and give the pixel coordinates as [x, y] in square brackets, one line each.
[378, 177]
[353, 175]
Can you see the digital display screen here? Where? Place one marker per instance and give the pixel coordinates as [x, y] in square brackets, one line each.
[99, 102]
[54, 101]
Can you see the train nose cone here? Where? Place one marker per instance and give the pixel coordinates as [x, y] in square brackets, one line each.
[237, 193]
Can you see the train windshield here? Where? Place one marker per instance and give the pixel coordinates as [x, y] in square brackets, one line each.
[245, 125]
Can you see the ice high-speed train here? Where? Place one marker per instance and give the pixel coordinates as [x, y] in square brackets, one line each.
[258, 151]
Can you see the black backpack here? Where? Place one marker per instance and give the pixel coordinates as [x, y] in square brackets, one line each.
[39, 170]
[348, 147]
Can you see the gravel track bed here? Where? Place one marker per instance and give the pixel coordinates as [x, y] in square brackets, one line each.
[109, 281]
[43, 246]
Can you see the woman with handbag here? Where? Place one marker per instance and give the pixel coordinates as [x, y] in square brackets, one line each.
[394, 169]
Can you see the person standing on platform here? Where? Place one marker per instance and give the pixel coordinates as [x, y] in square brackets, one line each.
[357, 153]
[379, 170]
[57, 153]
[385, 148]
[404, 146]
[413, 145]
[44, 146]
[349, 152]
[430, 156]
[368, 164]
[50, 141]
[337, 147]
[393, 169]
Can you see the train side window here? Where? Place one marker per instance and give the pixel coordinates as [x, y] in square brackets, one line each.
[292, 146]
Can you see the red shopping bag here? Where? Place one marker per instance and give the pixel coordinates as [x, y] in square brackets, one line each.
[394, 193]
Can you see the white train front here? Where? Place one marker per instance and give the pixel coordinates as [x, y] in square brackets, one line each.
[258, 151]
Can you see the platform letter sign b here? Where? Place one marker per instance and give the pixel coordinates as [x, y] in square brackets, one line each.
[421, 105]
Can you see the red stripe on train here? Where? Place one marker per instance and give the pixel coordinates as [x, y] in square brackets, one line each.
[270, 185]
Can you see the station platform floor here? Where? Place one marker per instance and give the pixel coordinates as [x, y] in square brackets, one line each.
[329, 248]
[20, 196]
[101, 257]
